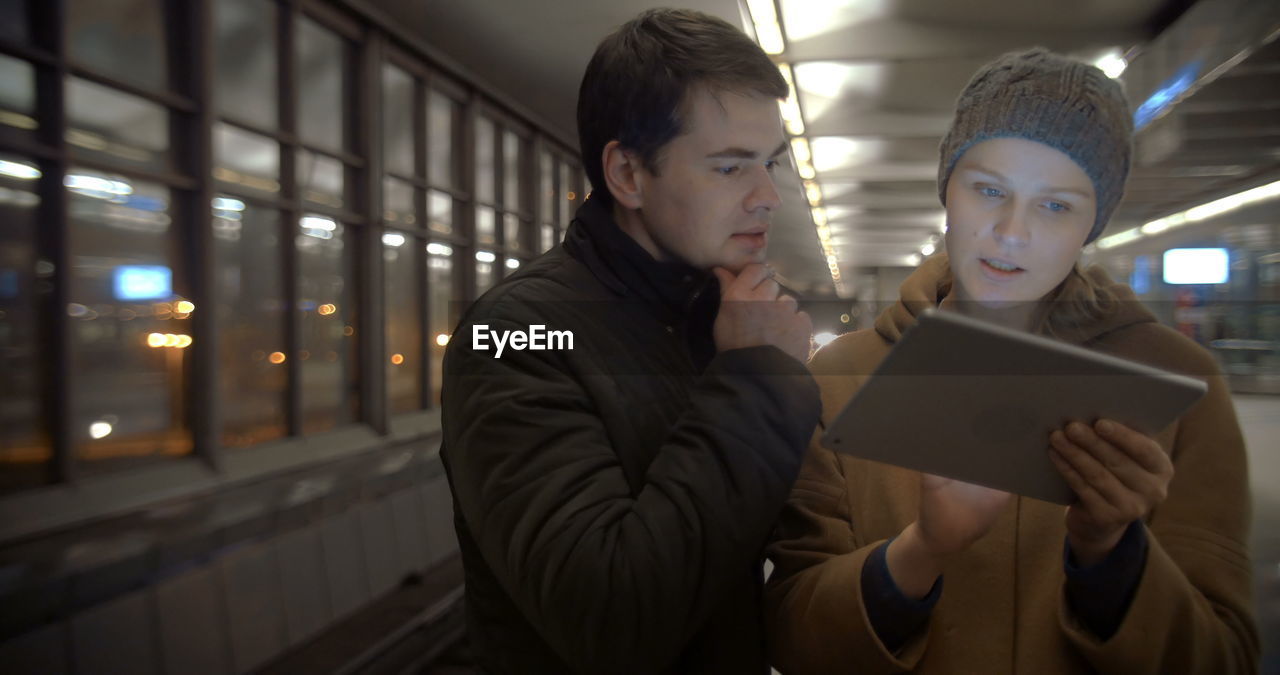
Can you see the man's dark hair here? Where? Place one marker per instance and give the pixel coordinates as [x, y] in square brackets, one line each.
[637, 85]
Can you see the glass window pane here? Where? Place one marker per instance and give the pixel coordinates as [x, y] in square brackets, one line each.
[16, 25]
[117, 127]
[404, 322]
[547, 237]
[320, 178]
[546, 187]
[245, 70]
[486, 226]
[129, 329]
[252, 370]
[120, 38]
[443, 118]
[397, 121]
[17, 93]
[484, 160]
[563, 204]
[511, 231]
[511, 149]
[248, 160]
[320, 63]
[440, 211]
[577, 189]
[326, 299]
[486, 271]
[397, 203]
[442, 305]
[24, 447]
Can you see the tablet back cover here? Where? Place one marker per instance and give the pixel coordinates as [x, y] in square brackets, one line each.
[965, 399]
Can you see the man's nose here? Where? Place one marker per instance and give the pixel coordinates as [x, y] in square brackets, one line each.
[764, 194]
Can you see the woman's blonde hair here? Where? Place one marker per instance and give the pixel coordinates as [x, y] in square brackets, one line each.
[1083, 298]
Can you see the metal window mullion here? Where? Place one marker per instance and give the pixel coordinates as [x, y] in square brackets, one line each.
[191, 44]
[371, 269]
[172, 180]
[525, 178]
[500, 200]
[53, 244]
[421, 260]
[287, 18]
[467, 221]
[534, 192]
[31, 148]
[167, 99]
[557, 195]
[25, 52]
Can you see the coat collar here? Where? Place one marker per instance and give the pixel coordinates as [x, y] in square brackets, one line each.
[622, 265]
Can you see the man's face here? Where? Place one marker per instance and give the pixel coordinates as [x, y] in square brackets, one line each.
[1018, 212]
[713, 196]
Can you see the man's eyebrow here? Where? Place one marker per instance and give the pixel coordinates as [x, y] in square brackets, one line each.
[743, 153]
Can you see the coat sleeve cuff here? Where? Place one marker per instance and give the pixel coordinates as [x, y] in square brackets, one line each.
[1100, 594]
[895, 617]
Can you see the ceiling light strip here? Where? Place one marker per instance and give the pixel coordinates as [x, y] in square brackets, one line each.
[1196, 214]
[770, 36]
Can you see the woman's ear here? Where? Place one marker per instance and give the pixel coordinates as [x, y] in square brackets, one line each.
[621, 169]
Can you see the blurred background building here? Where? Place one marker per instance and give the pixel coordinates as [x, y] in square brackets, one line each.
[235, 236]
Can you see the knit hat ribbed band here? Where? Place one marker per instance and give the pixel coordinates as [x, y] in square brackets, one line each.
[1065, 104]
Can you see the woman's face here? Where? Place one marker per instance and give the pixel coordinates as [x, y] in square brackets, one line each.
[1018, 213]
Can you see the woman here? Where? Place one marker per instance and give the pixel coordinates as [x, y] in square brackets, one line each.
[1146, 572]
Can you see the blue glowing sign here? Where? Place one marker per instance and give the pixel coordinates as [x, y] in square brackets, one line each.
[1140, 279]
[8, 283]
[143, 282]
[1166, 94]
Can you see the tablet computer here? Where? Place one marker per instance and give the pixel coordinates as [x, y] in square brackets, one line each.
[969, 400]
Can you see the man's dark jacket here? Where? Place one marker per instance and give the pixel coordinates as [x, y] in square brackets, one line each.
[612, 501]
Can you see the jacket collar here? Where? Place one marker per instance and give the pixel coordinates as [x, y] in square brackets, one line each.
[622, 265]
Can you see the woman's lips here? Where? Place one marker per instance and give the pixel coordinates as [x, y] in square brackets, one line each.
[752, 239]
[996, 273]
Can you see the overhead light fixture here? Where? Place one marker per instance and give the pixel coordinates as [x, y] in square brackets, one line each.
[764, 15]
[803, 157]
[1196, 214]
[1120, 238]
[790, 108]
[18, 170]
[813, 192]
[1112, 63]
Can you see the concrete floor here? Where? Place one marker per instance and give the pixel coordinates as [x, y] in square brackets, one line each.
[1260, 420]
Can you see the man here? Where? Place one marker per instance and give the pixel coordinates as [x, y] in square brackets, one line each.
[613, 490]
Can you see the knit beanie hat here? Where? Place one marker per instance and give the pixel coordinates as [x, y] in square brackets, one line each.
[1065, 104]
